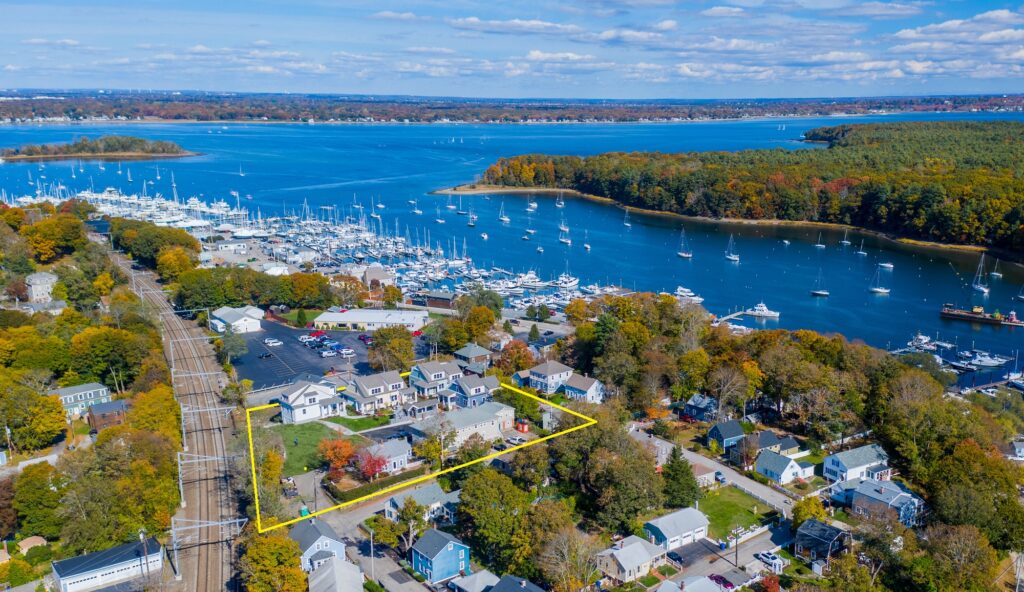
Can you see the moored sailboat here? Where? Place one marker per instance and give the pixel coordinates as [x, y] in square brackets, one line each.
[730, 251]
[684, 251]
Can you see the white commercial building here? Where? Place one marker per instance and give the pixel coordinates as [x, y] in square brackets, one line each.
[94, 571]
[241, 320]
[371, 319]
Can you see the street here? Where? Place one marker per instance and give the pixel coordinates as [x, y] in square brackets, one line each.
[779, 500]
[703, 558]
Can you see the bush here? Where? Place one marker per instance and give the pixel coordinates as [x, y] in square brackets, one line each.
[362, 490]
[371, 586]
[40, 554]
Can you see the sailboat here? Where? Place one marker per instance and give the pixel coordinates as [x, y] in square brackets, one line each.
[129, 174]
[472, 218]
[562, 226]
[559, 203]
[995, 271]
[461, 211]
[861, 251]
[450, 205]
[529, 226]
[157, 173]
[563, 237]
[119, 167]
[819, 244]
[501, 214]
[540, 249]
[416, 208]
[876, 284]
[846, 241]
[978, 284]
[241, 173]
[684, 250]
[819, 290]
[439, 219]
[586, 245]
[626, 222]
[1020, 295]
[730, 251]
[531, 205]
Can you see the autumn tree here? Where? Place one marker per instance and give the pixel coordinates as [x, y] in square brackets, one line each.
[514, 357]
[392, 349]
[478, 323]
[8, 513]
[103, 284]
[390, 296]
[337, 453]
[568, 561]
[369, 464]
[492, 514]
[270, 563]
[157, 411]
[54, 236]
[172, 261]
[806, 509]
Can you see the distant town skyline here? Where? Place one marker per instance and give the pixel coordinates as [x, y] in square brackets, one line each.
[537, 49]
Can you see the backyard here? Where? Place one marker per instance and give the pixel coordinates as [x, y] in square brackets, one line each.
[728, 508]
[300, 445]
[359, 424]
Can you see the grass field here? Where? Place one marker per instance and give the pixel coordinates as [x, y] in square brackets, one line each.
[300, 442]
[293, 313]
[358, 424]
[728, 508]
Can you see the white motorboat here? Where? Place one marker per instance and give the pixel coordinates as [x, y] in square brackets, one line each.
[760, 310]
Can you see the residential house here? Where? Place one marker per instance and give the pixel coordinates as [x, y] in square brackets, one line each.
[549, 376]
[727, 434]
[866, 461]
[873, 497]
[430, 378]
[679, 528]
[469, 391]
[317, 543]
[240, 320]
[376, 277]
[418, 410]
[509, 583]
[789, 446]
[782, 469]
[704, 474]
[377, 392]
[488, 420]
[104, 415]
[472, 354]
[699, 407]
[104, 569]
[583, 388]
[659, 448]
[480, 581]
[40, 286]
[336, 575]
[438, 505]
[817, 541]
[308, 401]
[77, 399]
[439, 556]
[397, 452]
[700, 584]
[630, 558]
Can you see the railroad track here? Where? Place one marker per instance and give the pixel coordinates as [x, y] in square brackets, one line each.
[207, 555]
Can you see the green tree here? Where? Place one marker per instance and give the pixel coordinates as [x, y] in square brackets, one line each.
[534, 334]
[478, 323]
[531, 466]
[301, 318]
[681, 487]
[37, 498]
[492, 514]
[391, 295]
[232, 346]
[806, 509]
[392, 349]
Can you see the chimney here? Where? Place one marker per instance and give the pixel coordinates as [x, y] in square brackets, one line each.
[522, 584]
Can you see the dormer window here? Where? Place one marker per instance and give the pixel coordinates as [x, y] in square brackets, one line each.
[376, 390]
[438, 376]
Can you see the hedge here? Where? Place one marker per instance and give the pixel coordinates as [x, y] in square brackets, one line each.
[382, 483]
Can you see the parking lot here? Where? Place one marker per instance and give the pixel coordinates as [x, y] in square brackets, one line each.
[293, 357]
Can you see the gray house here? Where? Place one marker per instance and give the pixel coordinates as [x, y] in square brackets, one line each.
[397, 452]
[40, 286]
[79, 398]
[679, 528]
[317, 542]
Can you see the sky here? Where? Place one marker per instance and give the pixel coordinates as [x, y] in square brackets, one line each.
[527, 48]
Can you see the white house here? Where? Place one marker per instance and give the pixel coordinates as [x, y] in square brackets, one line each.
[307, 401]
[376, 392]
[241, 320]
[869, 461]
[317, 543]
[630, 558]
[438, 505]
[488, 420]
[396, 452]
[40, 286]
[782, 469]
[79, 398]
[549, 376]
[679, 528]
[583, 388]
[103, 569]
[430, 378]
[336, 575]
[371, 319]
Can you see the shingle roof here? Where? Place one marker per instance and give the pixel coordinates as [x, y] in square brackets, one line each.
[550, 367]
[426, 496]
[337, 575]
[433, 542]
[476, 582]
[109, 407]
[40, 277]
[771, 461]
[788, 443]
[889, 493]
[814, 534]
[728, 429]
[465, 418]
[78, 388]
[580, 382]
[700, 584]
[871, 454]
[391, 448]
[102, 559]
[633, 551]
[514, 584]
[701, 401]
[307, 532]
[680, 522]
[472, 350]
[767, 439]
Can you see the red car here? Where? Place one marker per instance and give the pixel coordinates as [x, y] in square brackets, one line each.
[417, 333]
[318, 334]
[721, 581]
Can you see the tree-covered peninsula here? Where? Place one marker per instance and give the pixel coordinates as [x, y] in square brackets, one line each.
[104, 147]
[952, 182]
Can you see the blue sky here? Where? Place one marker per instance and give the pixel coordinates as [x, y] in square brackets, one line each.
[531, 48]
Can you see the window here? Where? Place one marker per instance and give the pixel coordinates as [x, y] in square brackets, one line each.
[451, 546]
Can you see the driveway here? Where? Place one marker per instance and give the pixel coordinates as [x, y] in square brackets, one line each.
[703, 558]
[779, 500]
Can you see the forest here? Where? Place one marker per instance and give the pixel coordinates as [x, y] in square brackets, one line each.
[953, 182]
[85, 148]
[119, 105]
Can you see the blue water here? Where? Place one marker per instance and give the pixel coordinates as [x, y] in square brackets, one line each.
[328, 164]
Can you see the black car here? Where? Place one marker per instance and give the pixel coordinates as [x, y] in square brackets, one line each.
[676, 557]
[266, 355]
[549, 333]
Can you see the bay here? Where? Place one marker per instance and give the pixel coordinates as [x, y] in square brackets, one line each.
[287, 165]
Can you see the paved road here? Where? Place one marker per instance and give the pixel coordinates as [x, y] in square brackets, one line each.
[703, 558]
[778, 499]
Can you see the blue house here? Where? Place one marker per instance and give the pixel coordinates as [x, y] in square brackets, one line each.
[439, 556]
[469, 391]
[726, 433]
[700, 407]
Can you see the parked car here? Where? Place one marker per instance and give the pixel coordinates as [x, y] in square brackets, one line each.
[328, 353]
[513, 321]
[272, 342]
[305, 338]
[265, 355]
[547, 333]
[721, 581]
[768, 557]
[675, 557]
[417, 333]
[516, 440]
[720, 477]
[346, 352]
[364, 337]
[329, 343]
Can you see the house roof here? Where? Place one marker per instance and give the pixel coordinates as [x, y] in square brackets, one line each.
[30, 543]
[296, 393]
[771, 461]
[660, 448]
[727, 429]
[233, 315]
[515, 584]
[475, 582]
[109, 407]
[461, 419]
[700, 469]
[580, 382]
[382, 380]
[78, 388]
[337, 575]
[472, 350]
[668, 586]
[391, 448]
[767, 439]
[433, 541]
[871, 454]
[632, 552]
[83, 564]
[703, 402]
[814, 534]
[789, 443]
[889, 493]
[550, 368]
[426, 496]
[307, 532]
[40, 277]
[700, 584]
[428, 369]
[680, 522]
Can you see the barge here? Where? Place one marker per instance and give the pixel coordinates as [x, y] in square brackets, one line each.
[977, 314]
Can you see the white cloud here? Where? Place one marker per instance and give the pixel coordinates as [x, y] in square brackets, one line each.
[666, 25]
[535, 26]
[723, 11]
[391, 15]
[732, 44]
[426, 49]
[880, 10]
[52, 42]
[839, 56]
[12, 68]
[629, 36]
[535, 55]
[1002, 36]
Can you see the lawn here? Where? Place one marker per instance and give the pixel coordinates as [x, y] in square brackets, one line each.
[300, 442]
[358, 424]
[649, 581]
[667, 570]
[293, 313]
[728, 508]
[804, 488]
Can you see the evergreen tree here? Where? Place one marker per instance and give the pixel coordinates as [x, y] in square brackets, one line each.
[300, 318]
[534, 333]
[681, 488]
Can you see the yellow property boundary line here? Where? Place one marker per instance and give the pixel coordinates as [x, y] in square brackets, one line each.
[587, 422]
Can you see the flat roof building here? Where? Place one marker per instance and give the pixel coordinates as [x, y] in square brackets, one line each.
[101, 569]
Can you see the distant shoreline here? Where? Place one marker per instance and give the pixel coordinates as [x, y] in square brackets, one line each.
[104, 156]
[478, 189]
